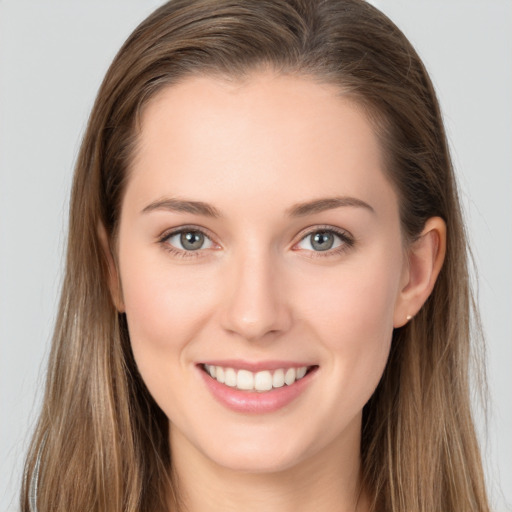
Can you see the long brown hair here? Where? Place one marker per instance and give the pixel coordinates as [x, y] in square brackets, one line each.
[101, 442]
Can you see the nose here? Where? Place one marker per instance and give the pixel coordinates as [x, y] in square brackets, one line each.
[255, 305]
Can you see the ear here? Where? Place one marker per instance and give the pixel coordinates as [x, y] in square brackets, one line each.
[114, 283]
[421, 268]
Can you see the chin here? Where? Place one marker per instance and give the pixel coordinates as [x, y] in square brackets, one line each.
[260, 450]
[251, 459]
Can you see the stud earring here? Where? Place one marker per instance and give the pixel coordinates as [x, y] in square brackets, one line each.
[409, 317]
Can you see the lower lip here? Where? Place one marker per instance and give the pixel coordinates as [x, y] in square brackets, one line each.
[254, 402]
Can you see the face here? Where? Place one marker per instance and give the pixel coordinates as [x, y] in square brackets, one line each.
[260, 242]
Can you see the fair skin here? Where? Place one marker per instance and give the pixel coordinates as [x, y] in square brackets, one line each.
[264, 285]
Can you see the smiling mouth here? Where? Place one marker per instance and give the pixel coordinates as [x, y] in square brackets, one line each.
[261, 381]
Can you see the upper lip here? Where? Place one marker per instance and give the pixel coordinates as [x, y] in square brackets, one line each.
[255, 366]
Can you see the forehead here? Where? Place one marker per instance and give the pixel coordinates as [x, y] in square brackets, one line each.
[268, 135]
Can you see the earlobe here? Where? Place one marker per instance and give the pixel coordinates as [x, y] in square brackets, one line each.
[425, 260]
[114, 282]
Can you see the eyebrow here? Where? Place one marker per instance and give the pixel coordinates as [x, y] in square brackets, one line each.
[327, 203]
[297, 210]
[182, 205]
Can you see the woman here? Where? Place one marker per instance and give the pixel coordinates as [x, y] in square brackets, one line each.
[266, 301]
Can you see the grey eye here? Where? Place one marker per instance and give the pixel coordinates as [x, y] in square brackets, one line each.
[320, 241]
[191, 240]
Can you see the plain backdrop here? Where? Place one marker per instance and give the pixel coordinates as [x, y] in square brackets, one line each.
[53, 55]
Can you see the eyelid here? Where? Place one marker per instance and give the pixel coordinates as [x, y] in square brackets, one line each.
[347, 239]
[180, 229]
[162, 239]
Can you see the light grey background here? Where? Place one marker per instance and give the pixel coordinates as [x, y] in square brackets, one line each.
[53, 55]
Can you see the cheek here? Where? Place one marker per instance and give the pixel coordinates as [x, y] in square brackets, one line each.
[166, 310]
[166, 307]
[352, 315]
[357, 297]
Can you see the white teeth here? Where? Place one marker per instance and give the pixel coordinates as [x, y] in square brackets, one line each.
[210, 369]
[230, 377]
[245, 380]
[301, 372]
[260, 381]
[263, 381]
[219, 374]
[278, 379]
[289, 376]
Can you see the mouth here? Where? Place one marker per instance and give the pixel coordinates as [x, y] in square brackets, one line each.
[257, 388]
[257, 381]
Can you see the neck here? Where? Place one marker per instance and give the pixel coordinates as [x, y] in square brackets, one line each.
[328, 481]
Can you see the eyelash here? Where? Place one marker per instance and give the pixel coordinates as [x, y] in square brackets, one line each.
[180, 253]
[347, 241]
